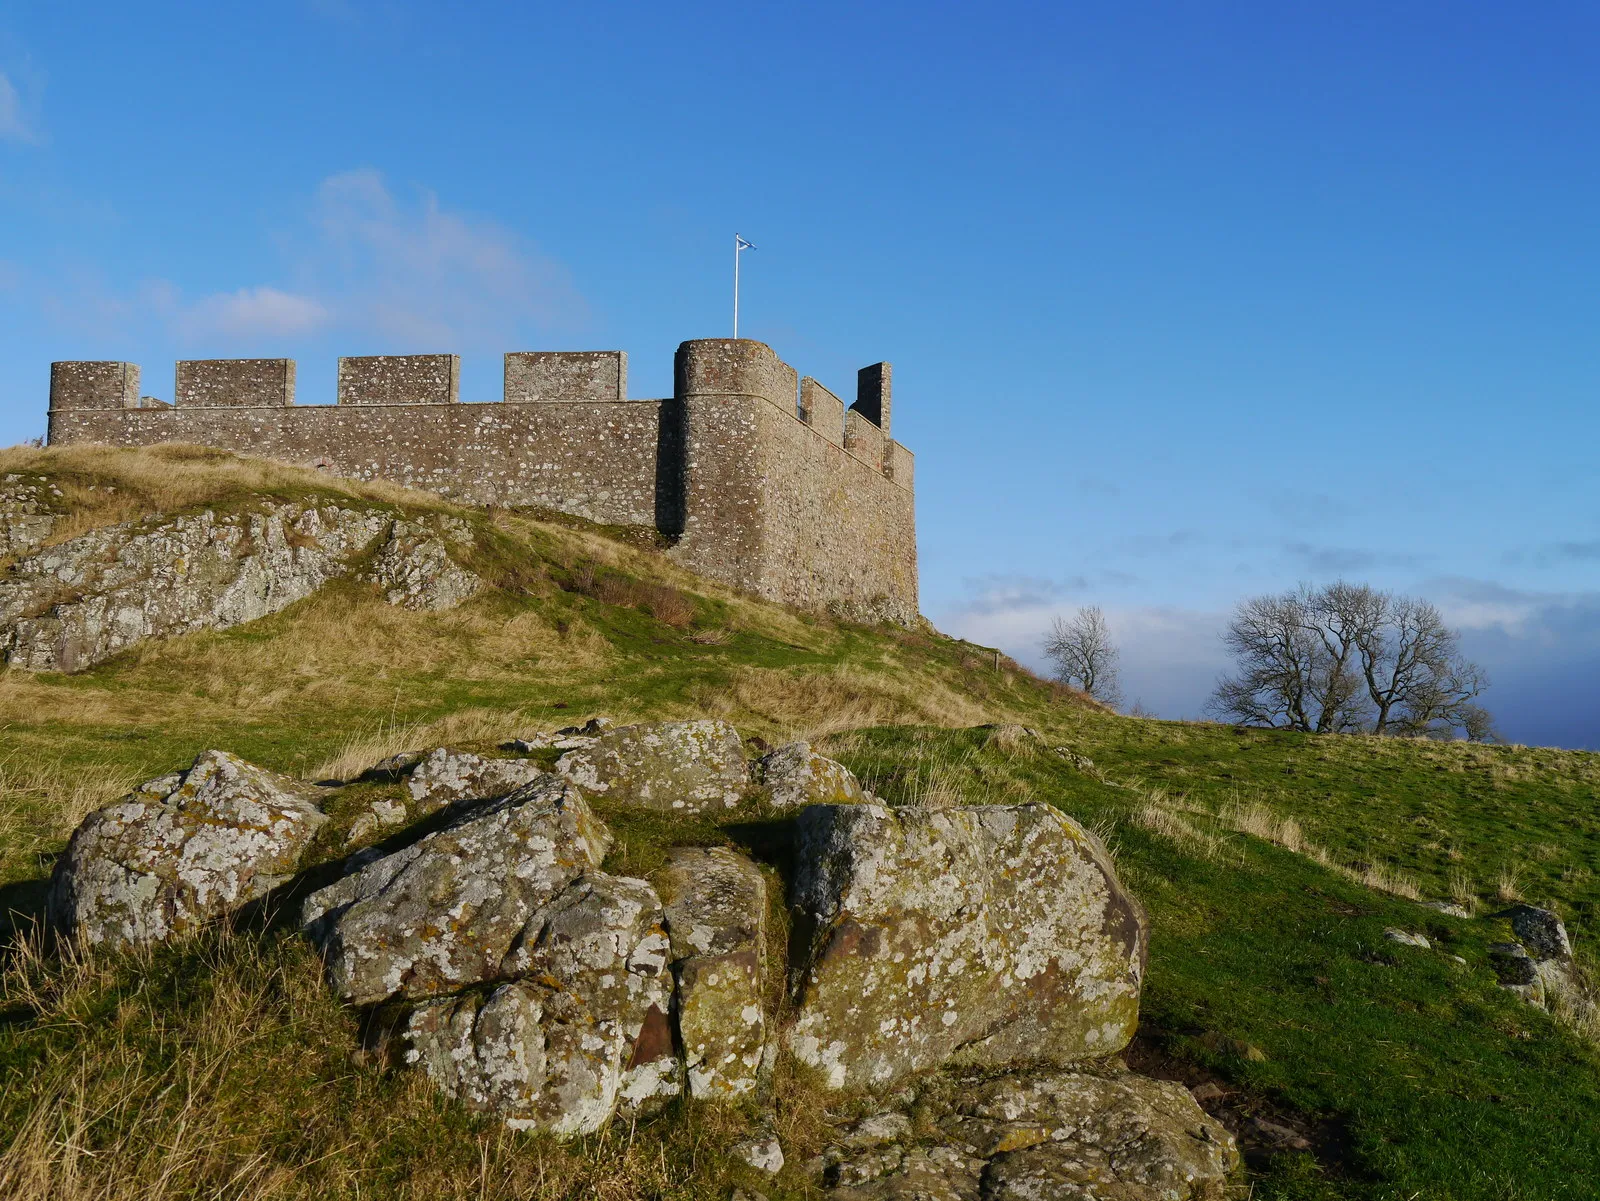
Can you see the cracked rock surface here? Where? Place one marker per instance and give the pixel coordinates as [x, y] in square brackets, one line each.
[415, 569]
[447, 777]
[450, 909]
[180, 850]
[716, 911]
[979, 935]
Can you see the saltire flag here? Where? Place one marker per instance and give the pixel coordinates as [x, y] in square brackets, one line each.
[740, 244]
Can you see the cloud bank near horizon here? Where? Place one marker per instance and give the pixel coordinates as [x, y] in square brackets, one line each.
[1541, 649]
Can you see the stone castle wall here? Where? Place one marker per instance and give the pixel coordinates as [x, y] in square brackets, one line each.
[763, 481]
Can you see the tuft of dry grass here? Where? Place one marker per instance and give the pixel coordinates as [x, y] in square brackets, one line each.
[1507, 886]
[1463, 889]
[847, 696]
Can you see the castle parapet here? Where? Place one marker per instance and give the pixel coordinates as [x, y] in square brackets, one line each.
[822, 410]
[735, 367]
[234, 383]
[393, 379]
[94, 385]
[566, 375]
[863, 438]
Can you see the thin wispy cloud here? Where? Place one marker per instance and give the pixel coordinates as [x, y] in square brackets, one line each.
[252, 312]
[16, 125]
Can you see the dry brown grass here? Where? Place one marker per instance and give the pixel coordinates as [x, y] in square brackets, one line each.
[812, 704]
[42, 802]
[1508, 885]
[103, 486]
[254, 1084]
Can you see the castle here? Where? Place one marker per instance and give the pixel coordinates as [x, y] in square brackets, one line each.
[756, 478]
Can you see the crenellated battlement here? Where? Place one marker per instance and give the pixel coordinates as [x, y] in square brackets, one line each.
[761, 478]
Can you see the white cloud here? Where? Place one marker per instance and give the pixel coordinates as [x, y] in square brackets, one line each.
[14, 123]
[416, 275]
[251, 313]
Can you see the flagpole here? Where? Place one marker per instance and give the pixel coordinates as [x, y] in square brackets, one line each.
[735, 287]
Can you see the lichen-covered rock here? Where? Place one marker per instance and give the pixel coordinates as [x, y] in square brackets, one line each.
[381, 815]
[1096, 1135]
[447, 777]
[1542, 932]
[1091, 1134]
[981, 935]
[582, 1031]
[70, 606]
[25, 516]
[796, 776]
[716, 906]
[1517, 971]
[457, 906]
[415, 570]
[181, 850]
[676, 766]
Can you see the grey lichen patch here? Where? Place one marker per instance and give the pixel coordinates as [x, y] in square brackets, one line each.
[982, 935]
[450, 909]
[675, 766]
[181, 850]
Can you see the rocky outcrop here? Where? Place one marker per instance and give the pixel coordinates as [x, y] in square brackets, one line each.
[26, 519]
[796, 776]
[459, 906]
[448, 777]
[1102, 1133]
[716, 911]
[67, 607]
[976, 935]
[676, 766]
[415, 569]
[181, 850]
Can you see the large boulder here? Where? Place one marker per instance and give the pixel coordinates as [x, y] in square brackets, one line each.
[580, 1032]
[980, 935]
[448, 777]
[676, 766]
[181, 850]
[796, 776]
[1542, 932]
[450, 909]
[716, 910]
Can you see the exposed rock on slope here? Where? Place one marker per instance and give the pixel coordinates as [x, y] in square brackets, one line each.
[414, 567]
[181, 850]
[983, 935]
[678, 766]
[795, 775]
[68, 607]
[25, 517]
[534, 985]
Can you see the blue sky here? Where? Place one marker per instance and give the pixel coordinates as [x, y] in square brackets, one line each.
[1186, 302]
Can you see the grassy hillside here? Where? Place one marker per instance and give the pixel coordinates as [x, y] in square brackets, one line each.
[1270, 865]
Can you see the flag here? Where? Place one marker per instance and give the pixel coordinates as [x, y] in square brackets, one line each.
[740, 244]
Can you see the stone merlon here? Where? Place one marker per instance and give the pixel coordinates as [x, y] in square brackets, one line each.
[759, 479]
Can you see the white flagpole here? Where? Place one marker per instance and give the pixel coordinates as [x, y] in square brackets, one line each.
[735, 287]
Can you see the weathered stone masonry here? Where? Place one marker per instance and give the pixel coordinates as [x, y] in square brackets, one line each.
[762, 480]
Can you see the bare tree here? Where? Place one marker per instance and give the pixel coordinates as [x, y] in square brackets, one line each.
[1084, 656]
[1347, 657]
[1295, 668]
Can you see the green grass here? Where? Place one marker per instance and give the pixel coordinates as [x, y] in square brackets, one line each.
[223, 1062]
